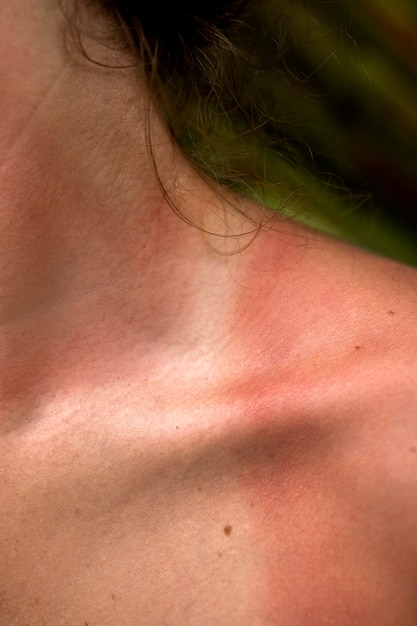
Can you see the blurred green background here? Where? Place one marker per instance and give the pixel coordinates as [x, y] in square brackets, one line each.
[350, 94]
[331, 89]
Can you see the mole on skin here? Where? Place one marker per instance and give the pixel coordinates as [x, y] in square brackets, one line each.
[227, 530]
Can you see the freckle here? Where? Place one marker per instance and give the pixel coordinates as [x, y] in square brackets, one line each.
[220, 554]
[113, 597]
[200, 489]
[77, 511]
[228, 530]
[391, 312]
[413, 450]
[357, 347]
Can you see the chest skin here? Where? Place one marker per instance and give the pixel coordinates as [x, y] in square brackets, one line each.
[288, 515]
[272, 482]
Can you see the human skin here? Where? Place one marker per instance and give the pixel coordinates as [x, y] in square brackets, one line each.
[186, 437]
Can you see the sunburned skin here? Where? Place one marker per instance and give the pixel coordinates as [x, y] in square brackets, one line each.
[280, 495]
[186, 438]
[330, 472]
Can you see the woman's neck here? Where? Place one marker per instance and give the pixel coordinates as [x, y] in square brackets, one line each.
[93, 261]
[90, 251]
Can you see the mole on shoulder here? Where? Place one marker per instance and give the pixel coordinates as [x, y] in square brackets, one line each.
[228, 530]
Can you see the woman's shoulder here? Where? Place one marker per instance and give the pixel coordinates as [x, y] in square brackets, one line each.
[330, 460]
[331, 357]
[309, 303]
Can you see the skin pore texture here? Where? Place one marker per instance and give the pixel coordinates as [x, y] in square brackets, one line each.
[186, 437]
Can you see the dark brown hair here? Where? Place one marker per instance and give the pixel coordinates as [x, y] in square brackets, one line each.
[275, 99]
[229, 77]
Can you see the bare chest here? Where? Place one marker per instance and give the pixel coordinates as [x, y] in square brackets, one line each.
[286, 523]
